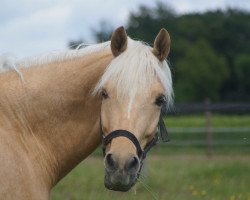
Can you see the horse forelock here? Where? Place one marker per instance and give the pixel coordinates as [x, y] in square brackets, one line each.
[134, 71]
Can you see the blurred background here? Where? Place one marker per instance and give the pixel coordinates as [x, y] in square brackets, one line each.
[208, 156]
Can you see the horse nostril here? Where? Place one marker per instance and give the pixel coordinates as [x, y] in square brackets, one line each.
[110, 162]
[132, 165]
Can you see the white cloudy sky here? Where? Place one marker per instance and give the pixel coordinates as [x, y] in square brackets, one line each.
[29, 27]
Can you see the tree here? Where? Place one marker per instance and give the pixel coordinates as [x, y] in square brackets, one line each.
[242, 74]
[200, 73]
[73, 44]
[104, 32]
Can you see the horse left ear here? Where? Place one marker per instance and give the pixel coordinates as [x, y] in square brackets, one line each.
[162, 45]
[119, 41]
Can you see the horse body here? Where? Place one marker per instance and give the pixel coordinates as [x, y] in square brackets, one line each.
[47, 126]
[51, 114]
[18, 178]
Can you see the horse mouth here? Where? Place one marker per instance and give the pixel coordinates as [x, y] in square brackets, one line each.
[120, 188]
[119, 182]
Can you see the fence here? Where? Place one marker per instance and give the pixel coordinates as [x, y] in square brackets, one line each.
[199, 107]
[209, 136]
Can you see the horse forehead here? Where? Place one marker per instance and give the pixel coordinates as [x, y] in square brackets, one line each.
[154, 88]
[138, 101]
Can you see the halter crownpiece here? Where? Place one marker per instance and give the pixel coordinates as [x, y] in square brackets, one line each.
[124, 133]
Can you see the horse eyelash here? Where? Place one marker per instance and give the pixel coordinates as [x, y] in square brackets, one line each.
[104, 94]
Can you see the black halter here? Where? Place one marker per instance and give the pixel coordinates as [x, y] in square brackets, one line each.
[124, 133]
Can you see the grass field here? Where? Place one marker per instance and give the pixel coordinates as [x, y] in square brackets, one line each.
[216, 120]
[168, 178]
[175, 172]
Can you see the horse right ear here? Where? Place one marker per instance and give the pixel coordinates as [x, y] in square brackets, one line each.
[162, 45]
[119, 41]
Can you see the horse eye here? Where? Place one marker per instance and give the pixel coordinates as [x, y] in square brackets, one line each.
[104, 94]
[160, 100]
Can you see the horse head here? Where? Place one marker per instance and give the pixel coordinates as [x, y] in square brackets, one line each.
[134, 88]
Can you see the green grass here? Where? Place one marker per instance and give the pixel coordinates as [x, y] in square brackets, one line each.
[168, 178]
[216, 120]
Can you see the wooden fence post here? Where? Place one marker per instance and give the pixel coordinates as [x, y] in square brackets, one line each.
[208, 127]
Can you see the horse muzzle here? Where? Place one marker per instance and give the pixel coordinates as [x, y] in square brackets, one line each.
[120, 178]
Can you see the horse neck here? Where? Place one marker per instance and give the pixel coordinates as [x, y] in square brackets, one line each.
[54, 113]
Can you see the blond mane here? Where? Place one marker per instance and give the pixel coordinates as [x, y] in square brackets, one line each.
[9, 62]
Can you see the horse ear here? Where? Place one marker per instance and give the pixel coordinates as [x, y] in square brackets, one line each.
[119, 41]
[162, 45]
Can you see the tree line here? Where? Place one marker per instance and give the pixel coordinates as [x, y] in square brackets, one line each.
[210, 51]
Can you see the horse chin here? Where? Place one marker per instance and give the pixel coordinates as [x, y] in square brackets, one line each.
[117, 182]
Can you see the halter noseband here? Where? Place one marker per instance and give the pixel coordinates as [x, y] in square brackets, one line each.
[124, 133]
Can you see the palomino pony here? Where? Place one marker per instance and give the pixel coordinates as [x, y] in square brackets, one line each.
[54, 108]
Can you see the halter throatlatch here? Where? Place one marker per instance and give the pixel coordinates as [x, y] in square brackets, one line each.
[124, 133]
